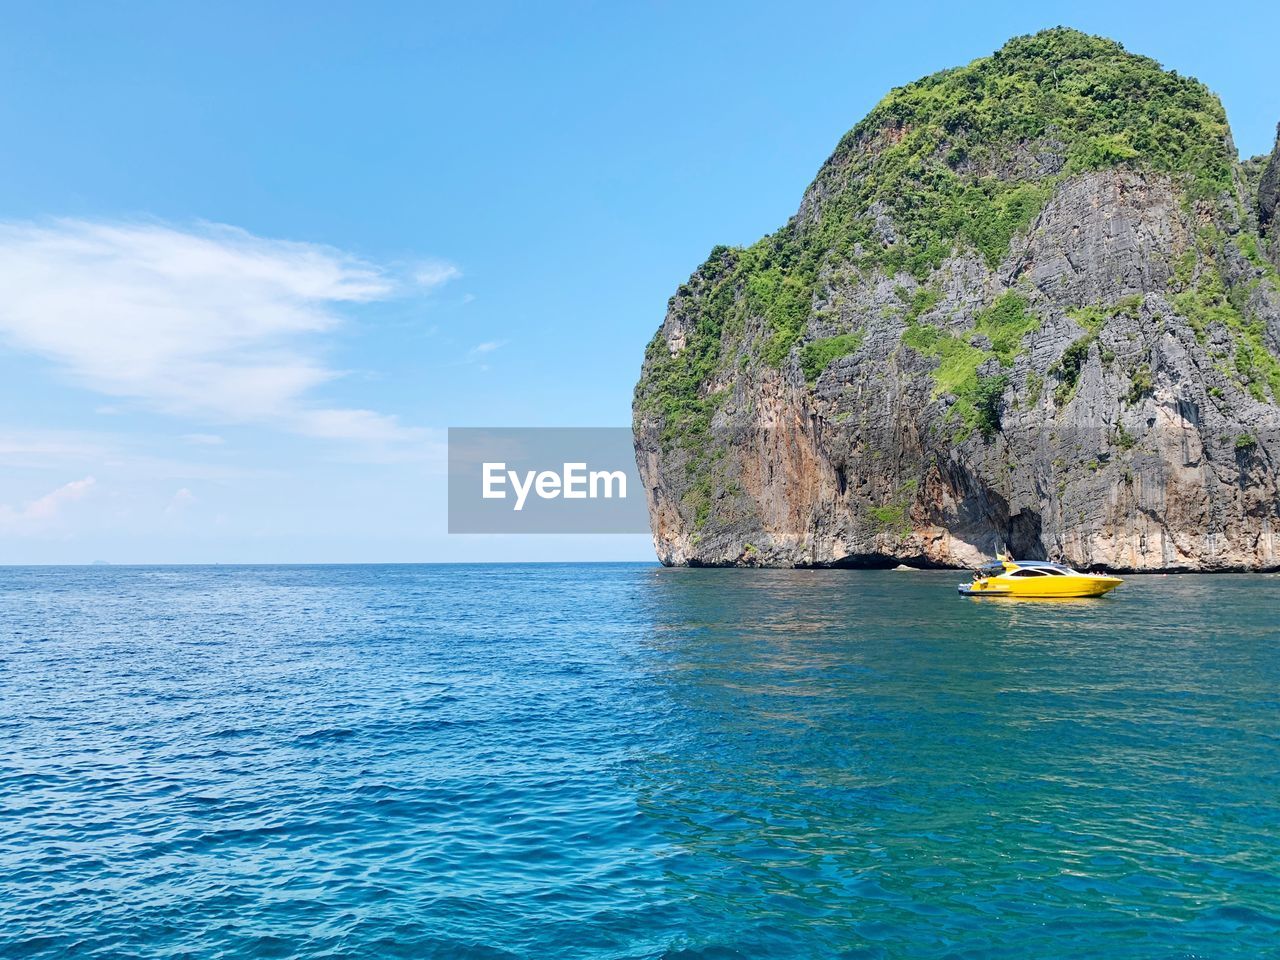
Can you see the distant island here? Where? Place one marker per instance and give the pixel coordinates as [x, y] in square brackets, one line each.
[1032, 301]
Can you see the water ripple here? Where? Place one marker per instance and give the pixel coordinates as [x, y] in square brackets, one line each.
[627, 762]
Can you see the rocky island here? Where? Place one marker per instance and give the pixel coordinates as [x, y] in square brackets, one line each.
[1031, 301]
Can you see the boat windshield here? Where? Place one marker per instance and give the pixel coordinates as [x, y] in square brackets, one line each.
[1025, 568]
[1047, 567]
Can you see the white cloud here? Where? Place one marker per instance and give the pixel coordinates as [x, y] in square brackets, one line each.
[26, 448]
[142, 467]
[210, 323]
[182, 499]
[340, 424]
[435, 273]
[477, 354]
[41, 511]
[203, 439]
[67, 450]
[480, 349]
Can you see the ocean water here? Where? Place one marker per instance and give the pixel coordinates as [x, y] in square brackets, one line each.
[608, 761]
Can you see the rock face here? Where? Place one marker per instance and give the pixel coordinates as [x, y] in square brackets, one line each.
[1269, 200]
[990, 322]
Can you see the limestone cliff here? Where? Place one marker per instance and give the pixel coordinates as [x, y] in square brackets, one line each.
[1269, 201]
[1030, 301]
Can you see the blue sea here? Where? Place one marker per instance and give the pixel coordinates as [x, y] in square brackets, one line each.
[624, 761]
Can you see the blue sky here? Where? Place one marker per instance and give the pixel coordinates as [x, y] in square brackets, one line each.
[254, 258]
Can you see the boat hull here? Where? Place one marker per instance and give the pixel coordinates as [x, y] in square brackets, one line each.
[1081, 585]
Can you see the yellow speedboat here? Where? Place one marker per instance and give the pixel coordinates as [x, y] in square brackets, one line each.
[1035, 578]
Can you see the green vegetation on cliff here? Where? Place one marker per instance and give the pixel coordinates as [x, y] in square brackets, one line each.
[676, 387]
[1206, 302]
[978, 398]
[1093, 318]
[973, 153]
[965, 158]
[817, 354]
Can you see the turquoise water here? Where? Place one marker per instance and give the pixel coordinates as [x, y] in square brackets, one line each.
[624, 761]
